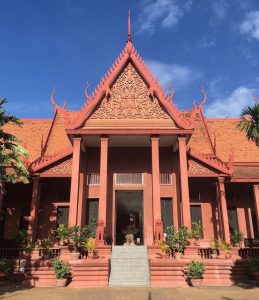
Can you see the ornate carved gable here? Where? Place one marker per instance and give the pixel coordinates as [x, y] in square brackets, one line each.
[63, 166]
[197, 168]
[129, 103]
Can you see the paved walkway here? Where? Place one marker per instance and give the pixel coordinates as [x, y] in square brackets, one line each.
[224, 293]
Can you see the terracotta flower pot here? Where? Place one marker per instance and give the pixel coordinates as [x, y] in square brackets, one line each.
[228, 256]
[195, 282]
[61, 282]
[178, 255]
[3, 276]
[197, 243]
[164, 255]
[75, 255]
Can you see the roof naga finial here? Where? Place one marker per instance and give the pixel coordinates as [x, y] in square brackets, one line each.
[129, 29]
[204, 98]
[88, 97]
[129, 39]
[52, 98]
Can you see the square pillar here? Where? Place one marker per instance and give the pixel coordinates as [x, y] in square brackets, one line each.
[186, 210]
[103, 179]
[256, 203]
[34, 213]
[74, 191]
[156, 178]
[223, 209]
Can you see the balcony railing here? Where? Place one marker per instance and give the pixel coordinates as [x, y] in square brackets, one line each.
[93, 179]
[166, 178]
[129, 178]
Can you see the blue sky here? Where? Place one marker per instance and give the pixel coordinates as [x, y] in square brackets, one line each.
[190, 44]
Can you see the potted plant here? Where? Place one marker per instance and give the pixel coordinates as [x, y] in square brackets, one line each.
[6, 268]
[46, 248]
[197, 231]
[165, 248]
[62, 234]
[177, 240]
[227, 248]
[236, 238]
[215, 248]
[89, 246]
[76, 241]
[62, 271]
[195, 271]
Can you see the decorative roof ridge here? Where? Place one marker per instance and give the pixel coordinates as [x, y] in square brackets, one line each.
[44, 161]
[213, 160]
[103, 89]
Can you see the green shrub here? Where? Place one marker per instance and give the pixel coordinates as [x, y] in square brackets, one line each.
[195, 270]
[236, 238]
[23, 238]
[62, 232]
[177, 240]
[197, 230]
[61, 269]
[6, 266]
[46, 246]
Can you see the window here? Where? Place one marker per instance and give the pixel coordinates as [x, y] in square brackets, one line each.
[92, 209]
[196, 215]
[62, 215]
[166, 212]
[195, 196]
[166, 178]
[93, 179]
[129, 178]
[232, 219]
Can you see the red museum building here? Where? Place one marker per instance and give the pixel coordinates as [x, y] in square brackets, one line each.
[130, 156]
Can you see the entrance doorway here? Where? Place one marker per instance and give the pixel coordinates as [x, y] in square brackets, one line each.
[129, 215]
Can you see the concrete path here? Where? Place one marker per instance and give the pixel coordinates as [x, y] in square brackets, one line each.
[224, 293]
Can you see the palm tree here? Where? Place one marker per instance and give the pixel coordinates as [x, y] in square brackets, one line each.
[12, 155]
[249, 122]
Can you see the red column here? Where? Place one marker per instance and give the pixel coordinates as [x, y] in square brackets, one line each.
[35, 204]
[103, 178]
[156, 178]
[256, 203]
[186, 211]
[223, 209]
[74, 191]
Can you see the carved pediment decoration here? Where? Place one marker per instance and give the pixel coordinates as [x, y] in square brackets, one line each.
[129, 98]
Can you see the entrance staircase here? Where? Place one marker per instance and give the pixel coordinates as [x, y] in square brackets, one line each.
[129, 266]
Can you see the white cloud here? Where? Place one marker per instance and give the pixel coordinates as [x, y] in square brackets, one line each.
[161, 13]
[179, 76]
[232, 105]
[220, 8]
[250, 25]
[207, 43]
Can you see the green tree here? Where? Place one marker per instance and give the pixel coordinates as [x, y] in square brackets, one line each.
[11, 153]
[249, 122]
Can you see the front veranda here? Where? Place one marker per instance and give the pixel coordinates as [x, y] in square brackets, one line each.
[53, 210]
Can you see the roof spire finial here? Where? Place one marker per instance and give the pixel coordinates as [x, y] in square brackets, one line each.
[129, 29]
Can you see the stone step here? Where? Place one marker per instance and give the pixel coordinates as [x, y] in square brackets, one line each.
[129, 266]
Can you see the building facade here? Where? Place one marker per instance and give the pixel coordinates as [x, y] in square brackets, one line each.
[131, 160]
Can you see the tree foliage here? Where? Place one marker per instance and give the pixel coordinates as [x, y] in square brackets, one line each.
[11, 153]
[249, 122]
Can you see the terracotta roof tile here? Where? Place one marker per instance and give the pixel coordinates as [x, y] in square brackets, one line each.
[32, 133]
[228, 138]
